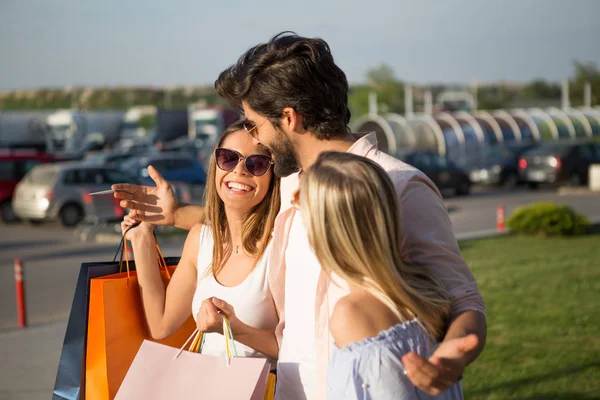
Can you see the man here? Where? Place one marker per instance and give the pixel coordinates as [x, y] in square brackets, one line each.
[295, 98]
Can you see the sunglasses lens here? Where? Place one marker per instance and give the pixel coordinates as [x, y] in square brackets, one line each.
[226, 159]
[248, 126]
[258, 165]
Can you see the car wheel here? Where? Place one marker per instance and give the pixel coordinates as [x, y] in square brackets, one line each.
[533, 185]
[71, 215]
[6, 212]
[463, 188]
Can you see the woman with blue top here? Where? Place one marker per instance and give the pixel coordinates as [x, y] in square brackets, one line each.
[348, 205]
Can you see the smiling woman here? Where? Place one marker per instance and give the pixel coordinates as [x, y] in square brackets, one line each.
[223, 269]
[244, 183]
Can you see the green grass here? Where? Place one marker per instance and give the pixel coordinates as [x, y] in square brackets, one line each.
[543, 305]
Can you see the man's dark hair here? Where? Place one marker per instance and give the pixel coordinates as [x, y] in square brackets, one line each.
[291, 71]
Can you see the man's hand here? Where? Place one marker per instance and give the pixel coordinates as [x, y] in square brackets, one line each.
[156, 205]
[445, 366]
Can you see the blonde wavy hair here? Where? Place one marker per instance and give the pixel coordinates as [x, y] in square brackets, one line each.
[258, 224]
[349, 207]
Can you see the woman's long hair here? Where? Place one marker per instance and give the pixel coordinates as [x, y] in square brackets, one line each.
[351, 213]
[257, 225]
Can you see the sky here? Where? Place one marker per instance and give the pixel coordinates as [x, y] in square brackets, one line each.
[57, 43]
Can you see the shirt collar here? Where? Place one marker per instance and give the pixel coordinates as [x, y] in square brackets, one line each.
[365, 142]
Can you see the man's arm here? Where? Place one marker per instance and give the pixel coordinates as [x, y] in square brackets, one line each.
[427, 240]
[187, 215]
[157, 205]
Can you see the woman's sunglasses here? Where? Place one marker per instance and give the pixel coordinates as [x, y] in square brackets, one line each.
[256, 164]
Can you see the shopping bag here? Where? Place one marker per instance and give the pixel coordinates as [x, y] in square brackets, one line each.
[70, 375]
[70, 382]
[116, 329]
[160, 372]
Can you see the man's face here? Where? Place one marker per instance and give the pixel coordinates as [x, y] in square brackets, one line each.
[276, 140]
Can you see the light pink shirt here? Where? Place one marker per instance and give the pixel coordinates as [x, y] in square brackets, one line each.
[427, 240]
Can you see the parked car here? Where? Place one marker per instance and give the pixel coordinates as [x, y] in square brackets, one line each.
[14, 165]
[108, 158]
[559, 163]
[501, 165]
[445, 174]
[61, 191]
[174, 167]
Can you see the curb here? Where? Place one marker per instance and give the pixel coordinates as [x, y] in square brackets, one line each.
[566, 190]
[115, 238]
[493, 232]
[110, 238]
[481, 234]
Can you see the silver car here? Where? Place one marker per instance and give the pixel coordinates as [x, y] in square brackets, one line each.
[61, 191]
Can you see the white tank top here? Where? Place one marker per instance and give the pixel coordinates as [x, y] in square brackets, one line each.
[251, 299]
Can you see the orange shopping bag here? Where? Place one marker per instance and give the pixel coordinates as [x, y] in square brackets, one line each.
[117, 328]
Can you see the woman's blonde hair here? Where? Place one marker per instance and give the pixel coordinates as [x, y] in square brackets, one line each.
[258, 224]
[351, 213]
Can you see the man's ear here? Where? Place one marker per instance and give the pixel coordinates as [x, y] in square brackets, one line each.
[291, 120]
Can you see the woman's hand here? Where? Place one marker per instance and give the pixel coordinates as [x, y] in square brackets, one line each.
[155, 204]
[210, 316]
[210, 319]
[143, 229]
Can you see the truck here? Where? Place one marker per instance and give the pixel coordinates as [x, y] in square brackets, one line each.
[207, 122]
[73, 132]
[170, 124]
[149, 128]
[137, 121]
[23, 129]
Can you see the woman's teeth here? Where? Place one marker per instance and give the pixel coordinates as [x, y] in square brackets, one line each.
[236, 186]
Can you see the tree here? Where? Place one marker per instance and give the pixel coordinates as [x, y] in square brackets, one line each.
[389, 90]
[495, 97]
[584, 72]
[540, 89]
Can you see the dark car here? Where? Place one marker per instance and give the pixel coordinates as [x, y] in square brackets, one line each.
[559, 163]
[501, 165]
[14, 165]
[445, 174]
[174, 167]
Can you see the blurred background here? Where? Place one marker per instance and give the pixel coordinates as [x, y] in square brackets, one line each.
[498, 102]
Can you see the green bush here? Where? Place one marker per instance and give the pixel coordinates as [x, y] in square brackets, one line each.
[547, 219]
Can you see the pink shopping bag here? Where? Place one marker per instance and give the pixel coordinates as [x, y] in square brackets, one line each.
[161, 372]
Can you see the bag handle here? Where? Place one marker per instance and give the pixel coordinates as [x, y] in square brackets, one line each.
[198, 338]
[123, 249]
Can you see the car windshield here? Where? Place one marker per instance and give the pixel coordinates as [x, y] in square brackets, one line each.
[116, 176]
[497, 152]
[42, 175]
[552, 148]
[132, 164]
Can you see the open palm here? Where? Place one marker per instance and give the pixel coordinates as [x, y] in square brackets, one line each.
[155, 204]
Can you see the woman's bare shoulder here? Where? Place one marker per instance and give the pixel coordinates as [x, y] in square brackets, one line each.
[358, 316]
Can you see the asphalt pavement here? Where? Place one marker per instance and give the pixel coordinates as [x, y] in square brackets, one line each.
[477, 212]
[52, 256]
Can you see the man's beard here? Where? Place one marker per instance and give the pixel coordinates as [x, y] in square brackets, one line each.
[284, 156]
